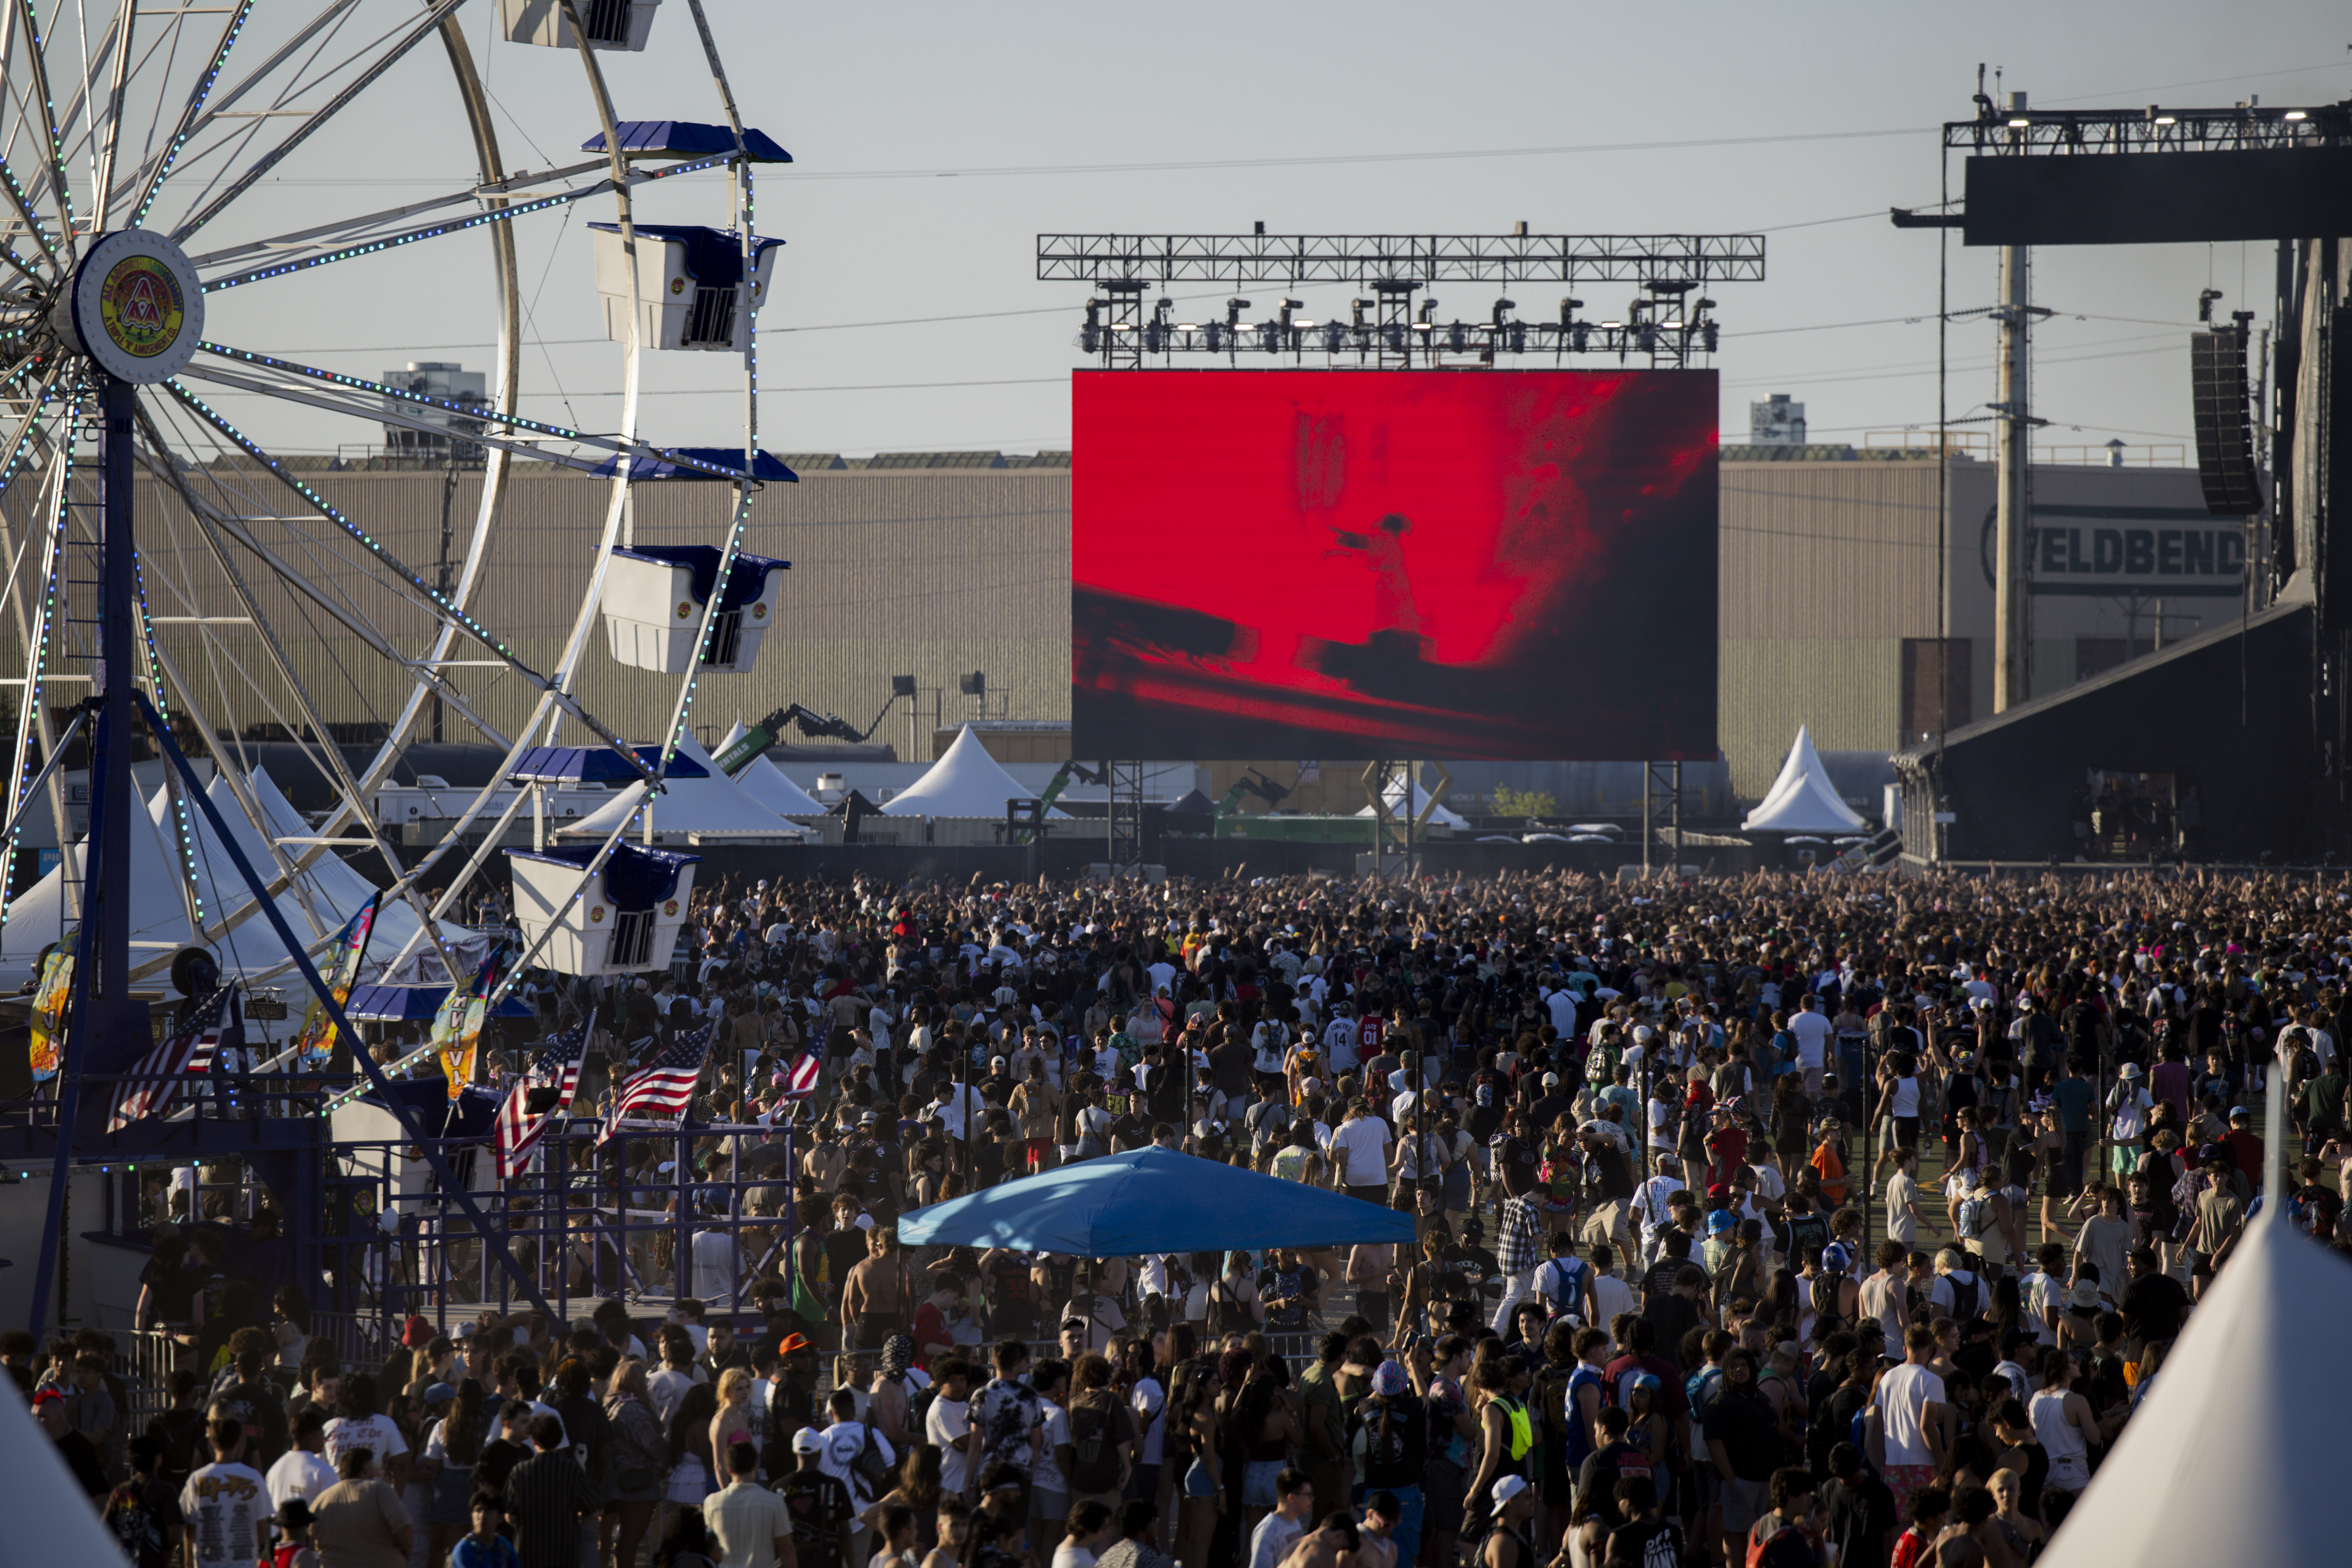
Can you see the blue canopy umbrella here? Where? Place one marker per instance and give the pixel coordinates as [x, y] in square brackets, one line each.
[1151, 1200]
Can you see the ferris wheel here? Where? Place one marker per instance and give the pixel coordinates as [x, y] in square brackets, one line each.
[147, 151]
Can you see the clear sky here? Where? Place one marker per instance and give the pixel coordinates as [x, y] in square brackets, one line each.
[934, 141]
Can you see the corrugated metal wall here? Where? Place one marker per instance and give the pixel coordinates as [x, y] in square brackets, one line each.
[895, 573]
[1825, 569]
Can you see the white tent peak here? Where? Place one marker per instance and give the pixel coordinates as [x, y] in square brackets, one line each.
[2254, 1405]
[713, 808]
[1803, 799]
[768, 783]
[965, 781]
[1394, 797]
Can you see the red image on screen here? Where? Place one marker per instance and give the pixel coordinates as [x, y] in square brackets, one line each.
[1339, 564]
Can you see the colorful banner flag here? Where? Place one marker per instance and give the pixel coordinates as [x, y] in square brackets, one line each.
[316, 1043]
[457, 1024]
[52, 997]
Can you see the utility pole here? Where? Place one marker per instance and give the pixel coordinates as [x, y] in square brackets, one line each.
[2011, 645]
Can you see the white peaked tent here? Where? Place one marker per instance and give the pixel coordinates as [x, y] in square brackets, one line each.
[1803, 799]
[1393, 798]
[337, 888]
[332, 892]
[768, 783]
[765, 782]
[965, 781]
[709, 809]
[2236, 1455]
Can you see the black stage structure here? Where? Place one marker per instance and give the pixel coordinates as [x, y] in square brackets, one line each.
[2246, 725]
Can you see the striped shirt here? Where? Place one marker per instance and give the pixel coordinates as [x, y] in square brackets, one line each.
[547, 1496]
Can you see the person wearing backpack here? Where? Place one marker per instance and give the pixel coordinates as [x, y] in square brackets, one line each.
[1391, 1443]
[1789, 1536]
[1234, 1304]
[1958, 1293]
[1564, 1283]
[1553, 1397]
[1102, 1435]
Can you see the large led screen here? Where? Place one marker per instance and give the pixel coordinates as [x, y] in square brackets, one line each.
[1345, 564]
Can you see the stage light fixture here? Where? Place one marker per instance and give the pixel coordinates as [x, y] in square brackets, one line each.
[2295, 116]
[2165, 120]
[2018, 124]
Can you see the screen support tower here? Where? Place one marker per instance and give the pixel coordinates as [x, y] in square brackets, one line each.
[1123, 816]
[1662, 794]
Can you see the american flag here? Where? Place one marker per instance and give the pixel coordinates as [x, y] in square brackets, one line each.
[558, 1068]
[800, 1081]
[188, 1050]
[664, 1085]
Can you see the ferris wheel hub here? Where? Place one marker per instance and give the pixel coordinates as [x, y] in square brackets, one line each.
[134, 305]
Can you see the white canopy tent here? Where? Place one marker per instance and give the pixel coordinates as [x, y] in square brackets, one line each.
[332, 890]
[770, 785]
[2236, 1452]
[701, 811]
[767, 784]
[1803, 799]
[965, 781]
[1393, 798]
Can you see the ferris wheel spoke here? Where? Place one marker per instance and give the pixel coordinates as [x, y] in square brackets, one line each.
[313, 720]
[294, 577]
[354, 247]
[45, 109]
[432, 601]
[23, 202]
[488, 415]
[310, 125]
[151, 183]
[120, 39]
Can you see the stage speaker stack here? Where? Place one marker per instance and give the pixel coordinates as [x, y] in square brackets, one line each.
[2225, 437]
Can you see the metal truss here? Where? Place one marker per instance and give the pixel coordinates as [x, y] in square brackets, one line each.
[2060, 132]
[1124, 845]
[1665, 328]
[1423, 258]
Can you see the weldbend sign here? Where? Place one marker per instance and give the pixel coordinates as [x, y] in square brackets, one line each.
[2136, 551]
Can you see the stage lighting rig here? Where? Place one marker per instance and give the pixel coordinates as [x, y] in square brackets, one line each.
[1391, 320]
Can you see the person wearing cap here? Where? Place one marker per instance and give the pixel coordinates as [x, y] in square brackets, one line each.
[823, 1521]
[2245, 1146]
[1508, 1544]
[2128, 1105]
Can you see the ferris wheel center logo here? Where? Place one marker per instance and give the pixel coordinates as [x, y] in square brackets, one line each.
[141, 306]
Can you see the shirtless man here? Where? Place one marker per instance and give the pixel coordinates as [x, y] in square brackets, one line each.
[1333, 1544]
[879, 1298]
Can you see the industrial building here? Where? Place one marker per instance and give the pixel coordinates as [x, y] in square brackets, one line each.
[1854, 598]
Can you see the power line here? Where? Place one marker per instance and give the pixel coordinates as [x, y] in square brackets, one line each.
[1330, 159]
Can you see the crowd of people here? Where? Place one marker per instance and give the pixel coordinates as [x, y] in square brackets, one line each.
[1780, 1221]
